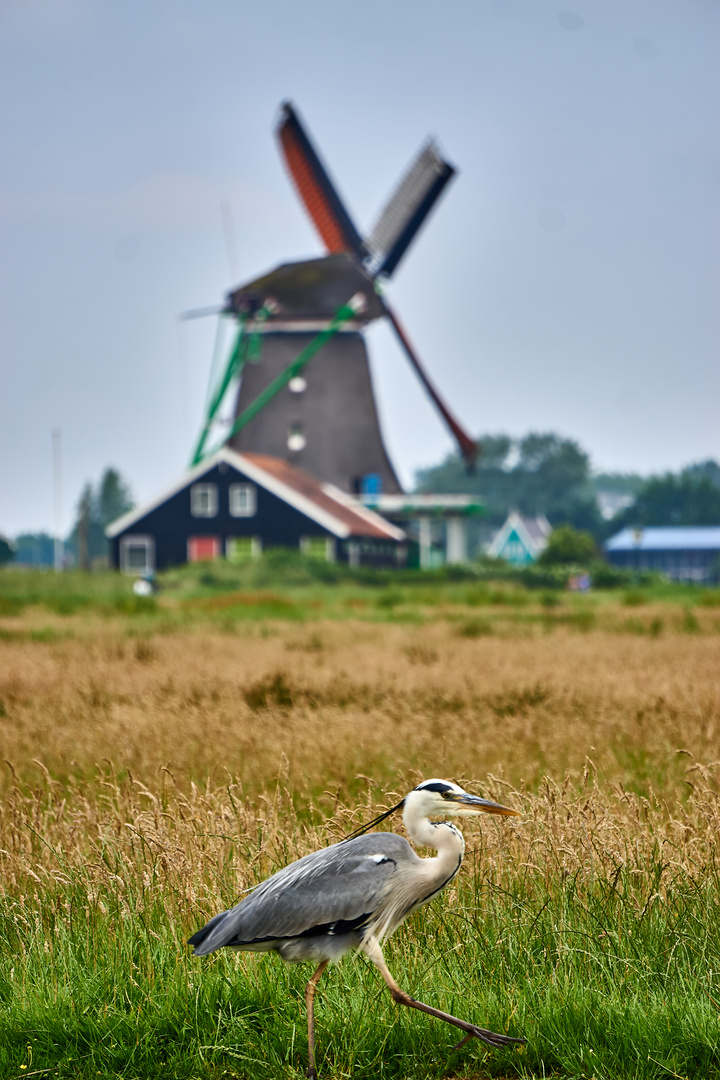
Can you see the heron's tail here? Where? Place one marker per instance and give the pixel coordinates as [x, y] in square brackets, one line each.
[201, 936]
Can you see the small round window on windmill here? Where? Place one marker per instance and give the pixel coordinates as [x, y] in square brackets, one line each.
[297, 385]
[296, 437]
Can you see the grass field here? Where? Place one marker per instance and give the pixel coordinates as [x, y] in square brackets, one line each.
[163, 755]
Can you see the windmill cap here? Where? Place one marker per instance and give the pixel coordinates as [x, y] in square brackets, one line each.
[313, 289]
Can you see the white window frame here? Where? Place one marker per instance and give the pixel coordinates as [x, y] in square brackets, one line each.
[148, 542]
[255, 546]
[238, 493]
[197, 493]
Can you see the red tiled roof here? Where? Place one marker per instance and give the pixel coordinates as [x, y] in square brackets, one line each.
[357, 519]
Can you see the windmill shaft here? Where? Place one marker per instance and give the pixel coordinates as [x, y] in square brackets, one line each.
[468, 447]
[201, 313]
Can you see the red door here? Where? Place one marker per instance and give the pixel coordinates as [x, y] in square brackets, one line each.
[203, 547]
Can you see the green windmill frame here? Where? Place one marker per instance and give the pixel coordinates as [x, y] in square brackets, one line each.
[246, 349]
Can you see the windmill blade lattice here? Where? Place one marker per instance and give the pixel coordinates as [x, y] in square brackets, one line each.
[400, 221]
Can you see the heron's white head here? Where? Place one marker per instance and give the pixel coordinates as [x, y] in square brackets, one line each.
[435, 800]
[441, 799]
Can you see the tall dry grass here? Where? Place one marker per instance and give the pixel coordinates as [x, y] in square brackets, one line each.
[328, 701]
[194, 851]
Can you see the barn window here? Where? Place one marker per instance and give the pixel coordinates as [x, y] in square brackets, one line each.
[243, 500]
[137, 555]
[241, 548]
[200, 548]
[318, 547]
[204, 500]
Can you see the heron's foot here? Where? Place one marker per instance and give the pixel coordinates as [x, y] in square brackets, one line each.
[490, 1038]
[311, 1072]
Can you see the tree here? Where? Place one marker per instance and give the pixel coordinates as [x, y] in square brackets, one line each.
[708, 469]
[6, 551]
[692, 498]
[114, 498]
[553, 467]
[539, 474]
[35, 549]
[96, 509]
[82, 528]
[624, 483]
[567, 546]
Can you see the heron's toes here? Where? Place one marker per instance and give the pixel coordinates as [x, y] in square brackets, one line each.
[491, 1038]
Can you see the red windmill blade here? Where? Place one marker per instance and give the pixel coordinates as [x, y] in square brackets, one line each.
[315, 188]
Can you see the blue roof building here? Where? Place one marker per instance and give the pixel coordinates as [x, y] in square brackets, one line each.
[680, 552]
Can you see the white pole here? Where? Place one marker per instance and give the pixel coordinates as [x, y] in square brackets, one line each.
[425, 537]
[57, 496]
[456, 540]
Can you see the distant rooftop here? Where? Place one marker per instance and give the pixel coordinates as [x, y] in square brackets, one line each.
[667, 538]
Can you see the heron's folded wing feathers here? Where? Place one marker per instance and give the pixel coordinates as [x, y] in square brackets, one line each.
[333, 890]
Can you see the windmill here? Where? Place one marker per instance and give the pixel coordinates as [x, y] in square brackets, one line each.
[323, 417]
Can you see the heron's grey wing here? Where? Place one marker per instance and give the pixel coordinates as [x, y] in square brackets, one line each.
[335, 890]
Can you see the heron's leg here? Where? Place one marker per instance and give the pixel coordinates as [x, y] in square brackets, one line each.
[371, 946]
[309, 1002]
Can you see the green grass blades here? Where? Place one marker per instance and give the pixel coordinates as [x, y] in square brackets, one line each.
[609, 976]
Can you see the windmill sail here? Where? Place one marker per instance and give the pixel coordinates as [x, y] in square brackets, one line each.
[315, 187]
[304, 288]
[414, 198]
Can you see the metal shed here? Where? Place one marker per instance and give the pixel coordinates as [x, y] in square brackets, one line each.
[680, 552]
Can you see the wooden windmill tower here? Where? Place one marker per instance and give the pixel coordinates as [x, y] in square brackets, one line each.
[322, 415]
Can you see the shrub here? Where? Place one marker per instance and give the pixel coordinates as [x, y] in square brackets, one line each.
[605, 576]
[544, 577]
[475, 628]
[567, 545]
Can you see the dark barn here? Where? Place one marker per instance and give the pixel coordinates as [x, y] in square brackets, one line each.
[237, 505]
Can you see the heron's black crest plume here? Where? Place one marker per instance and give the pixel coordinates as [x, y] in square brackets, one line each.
[371, 824]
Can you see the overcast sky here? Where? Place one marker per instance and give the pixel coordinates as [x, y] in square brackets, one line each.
[567, 281]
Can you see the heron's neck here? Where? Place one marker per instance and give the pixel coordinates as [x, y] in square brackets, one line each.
[442, 836]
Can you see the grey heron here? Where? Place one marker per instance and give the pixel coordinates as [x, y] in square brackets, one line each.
[353, 895]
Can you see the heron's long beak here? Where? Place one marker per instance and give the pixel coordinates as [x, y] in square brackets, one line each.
[477, 805]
